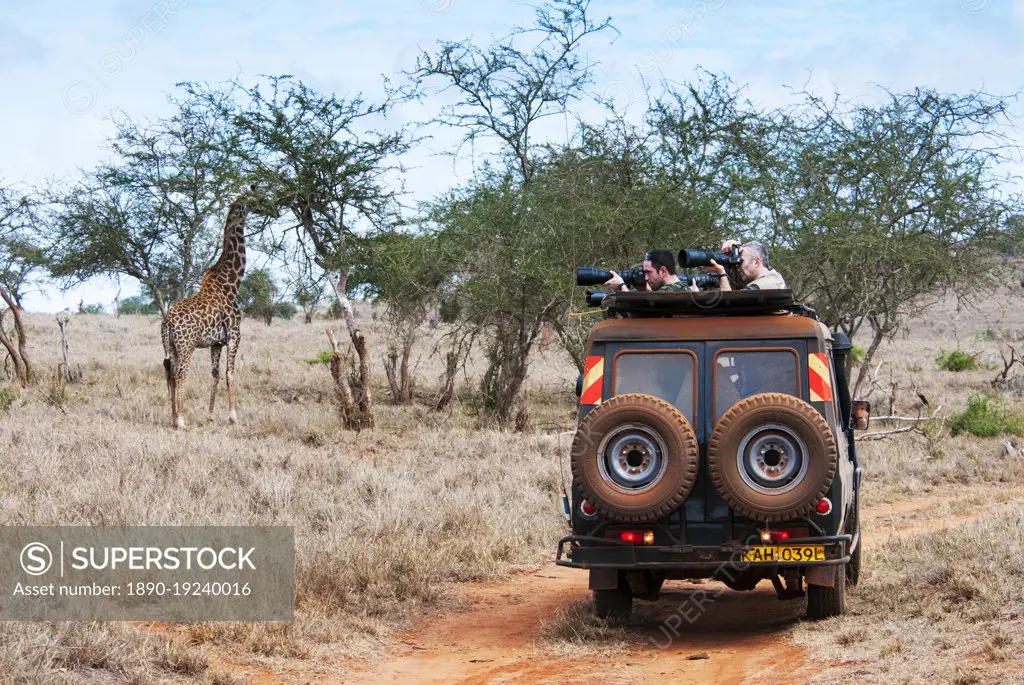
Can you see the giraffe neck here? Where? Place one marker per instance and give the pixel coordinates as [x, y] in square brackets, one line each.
[230, 266]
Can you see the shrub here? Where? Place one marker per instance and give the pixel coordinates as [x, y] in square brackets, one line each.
[988, 335]
[84, 308]
[858, 353]
[285, 310]
[985, 418]
[334, 310]
[324, 357]
[449, 310]
[8, 395]
[137, 304]
[956, 360]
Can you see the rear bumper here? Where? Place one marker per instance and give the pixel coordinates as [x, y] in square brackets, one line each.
[581, 551]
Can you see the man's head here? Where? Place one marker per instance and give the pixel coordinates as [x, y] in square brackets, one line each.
[753, 261]
[659, 268]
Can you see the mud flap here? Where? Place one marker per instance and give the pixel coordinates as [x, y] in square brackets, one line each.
[604, 579]
[822, 575]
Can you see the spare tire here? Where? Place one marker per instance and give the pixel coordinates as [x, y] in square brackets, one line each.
[772, 457]
[635, 458]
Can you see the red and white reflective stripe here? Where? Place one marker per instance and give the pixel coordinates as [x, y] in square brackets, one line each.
[819, 377]
[593, 380]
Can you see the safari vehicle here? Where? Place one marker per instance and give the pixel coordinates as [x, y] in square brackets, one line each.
[715, 440]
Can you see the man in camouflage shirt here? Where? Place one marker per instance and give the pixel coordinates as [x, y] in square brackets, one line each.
[659, 272]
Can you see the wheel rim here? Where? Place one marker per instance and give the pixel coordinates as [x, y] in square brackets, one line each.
[772, 459]
[632, 458]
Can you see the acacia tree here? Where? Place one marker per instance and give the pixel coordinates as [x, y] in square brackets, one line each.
[501, 92]
[879, 210]
[308, 289]
[20, 255]
[258, 296]
[155, 211]
[16, 262]
[331, 170]
[410, 274]
[617, 191]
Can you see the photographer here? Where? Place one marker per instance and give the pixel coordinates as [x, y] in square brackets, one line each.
[754, 271]
[659, 273]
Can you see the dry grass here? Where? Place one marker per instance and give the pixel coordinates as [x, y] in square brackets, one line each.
[386, 520]
[95, 653]
[940, 598]
[575, 630]
[934, 607]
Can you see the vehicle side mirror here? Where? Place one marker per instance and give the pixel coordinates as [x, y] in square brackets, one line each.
[861, 415]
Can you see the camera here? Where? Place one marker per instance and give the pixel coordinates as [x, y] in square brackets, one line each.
[595, 297]
[703, 281]
[586, 275]
[689, 259]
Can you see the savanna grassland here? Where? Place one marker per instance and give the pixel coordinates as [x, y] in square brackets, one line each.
[391, 523]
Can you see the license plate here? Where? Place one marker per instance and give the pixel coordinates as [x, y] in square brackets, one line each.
[775, 553]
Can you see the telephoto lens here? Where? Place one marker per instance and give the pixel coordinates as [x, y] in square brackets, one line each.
[689, 259]
[587, 275]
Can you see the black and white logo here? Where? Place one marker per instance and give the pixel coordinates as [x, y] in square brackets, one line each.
[36, 558]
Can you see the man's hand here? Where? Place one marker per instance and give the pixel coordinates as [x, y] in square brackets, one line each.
[716, 268]
[729, 244]
[614, 282]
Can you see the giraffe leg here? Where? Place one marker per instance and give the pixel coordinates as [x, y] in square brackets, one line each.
[215, 362]
[179, 388]
[170, 367]
[172, 387]
[233, 341]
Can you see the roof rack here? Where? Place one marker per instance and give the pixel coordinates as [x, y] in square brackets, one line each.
[706, 303]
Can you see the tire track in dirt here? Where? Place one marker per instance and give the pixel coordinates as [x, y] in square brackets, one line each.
[740, 636]
[744, 635]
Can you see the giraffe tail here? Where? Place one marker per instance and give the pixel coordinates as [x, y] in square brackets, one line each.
[166, 334]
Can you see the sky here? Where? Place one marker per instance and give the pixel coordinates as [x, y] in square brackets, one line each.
[65, 66]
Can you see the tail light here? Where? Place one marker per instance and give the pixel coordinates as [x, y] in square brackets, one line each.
[783, 534]
[587, 509]
[824, 507]
[637, 537]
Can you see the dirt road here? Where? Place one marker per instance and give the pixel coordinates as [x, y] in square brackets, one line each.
[740, 636]
[734, 637]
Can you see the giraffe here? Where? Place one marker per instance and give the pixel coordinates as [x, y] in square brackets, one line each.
[211, 317]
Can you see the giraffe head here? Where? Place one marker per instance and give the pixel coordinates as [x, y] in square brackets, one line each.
[255, 202]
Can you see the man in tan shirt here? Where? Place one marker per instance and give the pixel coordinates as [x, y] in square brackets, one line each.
[755, 272]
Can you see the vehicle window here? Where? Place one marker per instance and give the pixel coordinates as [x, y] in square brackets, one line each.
[739, 375]
[667, 375]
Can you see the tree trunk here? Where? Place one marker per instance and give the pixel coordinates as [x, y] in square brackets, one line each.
[508, 362]
[353, 412]
[22, 365]
[396, 367]
[364, 419]
[158, 297]
[447, 391]
[876, 340]
[405, 375]
[391, 372]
